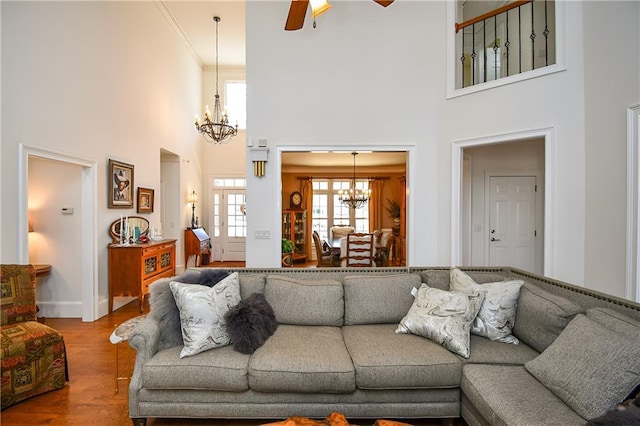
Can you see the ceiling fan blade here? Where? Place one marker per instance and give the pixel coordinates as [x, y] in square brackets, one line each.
[384, 3]
[297, 12]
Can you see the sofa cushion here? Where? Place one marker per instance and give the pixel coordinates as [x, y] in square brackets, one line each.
[303, 359]
[305, 301]
[508, 395]
[485, 351]
[616, 322]
[222, 369]
[541, 316]
[589, 367]
[251, 283]
[439, 278]
[498, 311]
[202, 313]
[444, 317]
[384, 359]
[378, 299]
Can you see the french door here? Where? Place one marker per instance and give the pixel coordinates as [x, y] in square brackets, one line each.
[229, 224]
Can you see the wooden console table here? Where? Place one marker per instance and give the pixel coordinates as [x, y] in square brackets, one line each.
[133, 267]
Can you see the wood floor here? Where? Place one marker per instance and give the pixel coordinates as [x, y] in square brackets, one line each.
[89, 398]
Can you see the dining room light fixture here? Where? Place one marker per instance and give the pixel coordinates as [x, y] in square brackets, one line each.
[215, 128]
[354, 198]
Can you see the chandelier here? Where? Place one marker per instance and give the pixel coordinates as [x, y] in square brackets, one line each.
[215, 128]
[354, 198]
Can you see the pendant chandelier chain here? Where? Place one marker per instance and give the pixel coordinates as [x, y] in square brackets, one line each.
[215, 127]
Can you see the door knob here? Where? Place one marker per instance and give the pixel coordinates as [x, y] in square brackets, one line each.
[495, 239]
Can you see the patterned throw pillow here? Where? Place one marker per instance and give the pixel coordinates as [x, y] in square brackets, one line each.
[498, 311]
[202, 311]
[444, 317]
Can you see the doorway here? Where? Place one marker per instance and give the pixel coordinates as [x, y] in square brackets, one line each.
[318, 174]
[480, 164]
[83, 301]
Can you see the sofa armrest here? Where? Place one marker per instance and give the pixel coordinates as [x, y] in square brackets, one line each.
[144, 339]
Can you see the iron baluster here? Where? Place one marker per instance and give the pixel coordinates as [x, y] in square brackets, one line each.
[507, 42]
[533, 40]
[519, 40]
[495, 47]
[462, 58]
[484, 48]
[473, 54]
[546, 35]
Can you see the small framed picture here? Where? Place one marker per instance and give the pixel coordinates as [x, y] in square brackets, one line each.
[145, 200]
[120, 185]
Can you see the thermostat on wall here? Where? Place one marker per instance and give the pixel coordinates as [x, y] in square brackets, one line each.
[67, 210]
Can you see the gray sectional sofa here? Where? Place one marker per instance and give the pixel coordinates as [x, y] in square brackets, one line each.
[336, 349]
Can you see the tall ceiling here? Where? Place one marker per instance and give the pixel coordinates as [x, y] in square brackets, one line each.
[194, 19]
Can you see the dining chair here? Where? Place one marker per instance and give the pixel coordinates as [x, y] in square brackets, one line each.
[359, 250]
[386, 252]
[324, 257]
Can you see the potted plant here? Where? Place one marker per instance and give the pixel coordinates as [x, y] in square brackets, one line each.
[393, 208]
[287, 252]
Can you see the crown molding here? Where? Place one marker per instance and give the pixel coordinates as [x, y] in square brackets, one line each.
[175, 26]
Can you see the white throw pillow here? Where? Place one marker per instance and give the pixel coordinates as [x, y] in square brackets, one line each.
[498, 311]
[202, 311]
[444, 317]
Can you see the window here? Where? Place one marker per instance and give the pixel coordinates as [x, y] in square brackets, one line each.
[326, 214]
[236, 102]
[513, 40]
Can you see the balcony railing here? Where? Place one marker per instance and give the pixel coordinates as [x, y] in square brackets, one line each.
[512, 39]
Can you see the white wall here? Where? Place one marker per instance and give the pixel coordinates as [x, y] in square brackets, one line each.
[609, 91]
[358, 80]
[100, 80]
[369, 75]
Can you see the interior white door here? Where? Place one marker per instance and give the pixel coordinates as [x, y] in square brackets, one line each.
[230, 225]
[512, 221]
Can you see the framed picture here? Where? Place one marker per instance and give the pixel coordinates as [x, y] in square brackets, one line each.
[120, 185]
[145, 200]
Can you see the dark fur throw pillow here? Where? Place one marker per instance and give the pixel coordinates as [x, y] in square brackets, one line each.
[250, 323]
[624, 414]
[208, 277]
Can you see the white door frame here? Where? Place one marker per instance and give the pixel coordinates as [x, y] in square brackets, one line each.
[457, 148]
[88, 222]
[632, 281]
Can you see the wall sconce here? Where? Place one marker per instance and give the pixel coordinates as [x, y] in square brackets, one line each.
[193, 199]
[259, 157]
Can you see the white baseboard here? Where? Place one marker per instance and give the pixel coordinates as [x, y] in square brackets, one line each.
[59, 309]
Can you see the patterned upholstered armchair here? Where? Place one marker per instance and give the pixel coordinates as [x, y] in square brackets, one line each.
[33, 354]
